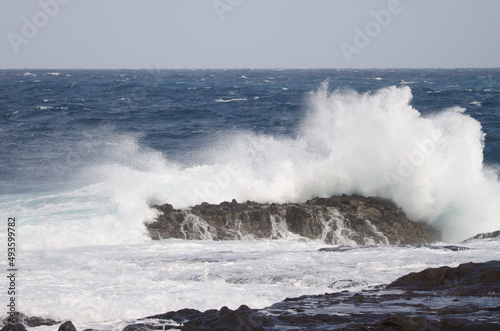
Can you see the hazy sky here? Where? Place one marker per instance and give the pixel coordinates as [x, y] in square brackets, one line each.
[249, 33]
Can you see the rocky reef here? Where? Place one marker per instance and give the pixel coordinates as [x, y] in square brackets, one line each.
[339, 220]
[462, 298]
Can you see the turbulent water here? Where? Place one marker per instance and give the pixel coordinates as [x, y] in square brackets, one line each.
[84, 154]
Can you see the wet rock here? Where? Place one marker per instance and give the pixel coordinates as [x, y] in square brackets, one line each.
[14, 327]
[242, 318]
[30, 321]
[67, 326]
[434, 306]
[180, 316]
[488, 235]
[350, 248]
[344, 220]
[141, 327]
[337, 249]
[396, 323]
[450, 248]
[469, 279]
[38, 321]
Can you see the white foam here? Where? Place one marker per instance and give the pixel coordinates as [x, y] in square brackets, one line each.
[105, 284]
[374, 144]
[231, 100]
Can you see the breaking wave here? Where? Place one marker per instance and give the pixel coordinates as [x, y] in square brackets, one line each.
[372, 144]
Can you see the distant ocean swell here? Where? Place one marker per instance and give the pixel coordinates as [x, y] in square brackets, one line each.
[373, 144]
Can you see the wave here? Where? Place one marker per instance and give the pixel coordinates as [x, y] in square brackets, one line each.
[371, 144]
[231, 100]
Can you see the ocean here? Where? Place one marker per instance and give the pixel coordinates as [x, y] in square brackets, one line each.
[84, 154]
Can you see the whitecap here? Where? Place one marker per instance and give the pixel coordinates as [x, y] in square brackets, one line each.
[231, 100]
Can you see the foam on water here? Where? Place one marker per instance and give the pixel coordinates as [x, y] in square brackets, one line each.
[374, 144]
[105, 284]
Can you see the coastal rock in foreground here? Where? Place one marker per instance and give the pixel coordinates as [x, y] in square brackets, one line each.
[450, 299]
[469, 279]
[339, 220]
[433, 307]
[242, 318]
[28, 321]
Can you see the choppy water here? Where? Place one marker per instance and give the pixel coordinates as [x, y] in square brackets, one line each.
[83, 154]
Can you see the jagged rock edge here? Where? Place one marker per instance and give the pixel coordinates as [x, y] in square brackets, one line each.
[338, 220]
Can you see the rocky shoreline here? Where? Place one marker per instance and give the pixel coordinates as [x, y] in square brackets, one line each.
[463, 298]
[339, 220]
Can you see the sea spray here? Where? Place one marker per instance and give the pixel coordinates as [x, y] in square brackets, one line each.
[372, 144]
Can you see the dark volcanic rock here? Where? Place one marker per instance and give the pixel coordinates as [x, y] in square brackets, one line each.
[38, 321]
[395, 323]
[344, 220]
[434, 307]
[450, 299]
[242, 318]
[14, 327]
[30, 321]
[469, 279]
[67, 326]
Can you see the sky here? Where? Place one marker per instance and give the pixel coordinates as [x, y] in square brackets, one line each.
[165, 34]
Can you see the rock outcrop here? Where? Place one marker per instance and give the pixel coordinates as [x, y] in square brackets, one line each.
[339, 220]
[469, 279]
[223, 319]
[424, 301]
[480, 236]
[28, 321]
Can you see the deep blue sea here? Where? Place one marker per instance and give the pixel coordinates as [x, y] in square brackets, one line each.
[46, 115]
[85, 153]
